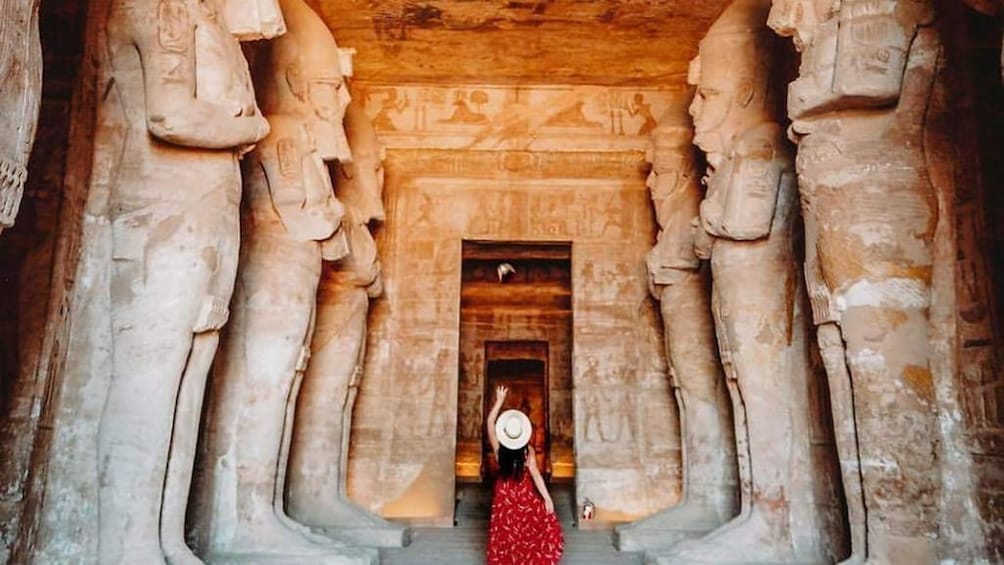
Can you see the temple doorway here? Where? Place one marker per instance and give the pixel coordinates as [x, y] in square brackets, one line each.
[515, 330]
[522, 367]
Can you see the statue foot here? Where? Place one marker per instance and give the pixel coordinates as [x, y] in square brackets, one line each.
[305, 531]
[180, 554]
[666, 528]
[137, 554]
[270, 535]
[750, 538]
[344, 521]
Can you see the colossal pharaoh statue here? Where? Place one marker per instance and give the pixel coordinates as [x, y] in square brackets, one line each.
[858, 108]
[684, 290]
[749, 218]
[178, 111]
[290, 221]
[317, 493]
[20, 97]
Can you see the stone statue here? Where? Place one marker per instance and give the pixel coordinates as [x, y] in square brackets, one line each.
[290, 221]
[180, 109]
[684, 290]
[750, 214]
[858, 108]
[20, 99]
[317, 492]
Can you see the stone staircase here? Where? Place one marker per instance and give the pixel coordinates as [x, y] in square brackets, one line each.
[464, 544]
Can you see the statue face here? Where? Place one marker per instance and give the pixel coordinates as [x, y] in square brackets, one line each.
[720, 90]
[360, 182]
[667, 178]
[328, 98]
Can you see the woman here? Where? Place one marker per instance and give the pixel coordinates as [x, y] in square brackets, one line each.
[523, 529]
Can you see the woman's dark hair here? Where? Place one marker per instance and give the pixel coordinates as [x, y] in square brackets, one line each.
[512, 462]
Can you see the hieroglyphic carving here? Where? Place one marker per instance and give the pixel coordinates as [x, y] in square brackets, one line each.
[869, 264]
[178, 110]
[523, 165]
[490, 117]
[20, 100]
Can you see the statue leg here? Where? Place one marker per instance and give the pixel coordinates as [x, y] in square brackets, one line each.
[831, 348]
[183, 446]
[755, 287]
[876, 260]
[271, 317]
[709, 468]
[894, 405]
[316, 493]
[155, 303]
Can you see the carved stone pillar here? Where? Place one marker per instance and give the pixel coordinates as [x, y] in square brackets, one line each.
[178, 111]
[858, 108]
[709, 497]
[20, 98]
[749, 216]
[290, 220]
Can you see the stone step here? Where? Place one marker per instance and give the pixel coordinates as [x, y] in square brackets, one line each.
[465, 543]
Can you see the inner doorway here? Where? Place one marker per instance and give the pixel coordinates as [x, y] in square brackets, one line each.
[522, 367]
[516, 329]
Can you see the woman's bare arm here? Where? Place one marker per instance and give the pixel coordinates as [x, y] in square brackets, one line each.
[538, 480]
[493, 414]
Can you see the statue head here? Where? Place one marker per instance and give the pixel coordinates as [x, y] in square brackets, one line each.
[304, 75]
[671, 153]
[676, 195]
[250, 20]
[359, 183]
[732, 75]
[853, 51]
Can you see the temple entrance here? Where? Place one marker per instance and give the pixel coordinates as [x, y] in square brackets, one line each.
[515, 330]
[521, 366]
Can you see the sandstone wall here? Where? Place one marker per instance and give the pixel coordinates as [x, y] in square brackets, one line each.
[514, 164]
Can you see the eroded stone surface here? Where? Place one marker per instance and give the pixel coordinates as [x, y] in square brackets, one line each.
[869, 267]
[749, 216]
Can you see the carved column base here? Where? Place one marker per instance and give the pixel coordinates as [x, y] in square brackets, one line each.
[754, 537]
[346, 556]
[346, 522]
[667, 528]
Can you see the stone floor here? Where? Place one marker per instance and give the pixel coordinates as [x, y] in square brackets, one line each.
[465, 543]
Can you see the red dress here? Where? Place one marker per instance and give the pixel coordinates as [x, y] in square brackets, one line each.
[521, 530]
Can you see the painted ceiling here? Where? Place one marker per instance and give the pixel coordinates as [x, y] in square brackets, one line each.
[598, 42]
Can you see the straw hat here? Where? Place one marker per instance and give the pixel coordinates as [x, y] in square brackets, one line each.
[513, 429]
